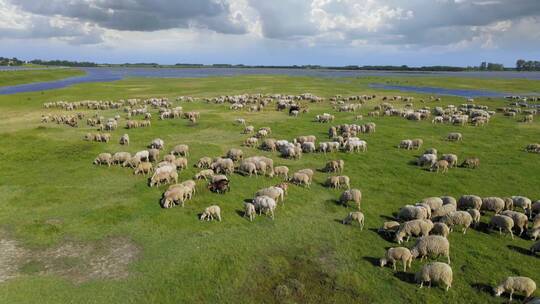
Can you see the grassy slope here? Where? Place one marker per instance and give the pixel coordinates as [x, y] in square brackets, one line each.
[9, 78]
[47, 173]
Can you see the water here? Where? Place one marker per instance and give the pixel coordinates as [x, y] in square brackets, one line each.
[442, 91]
[112, 74]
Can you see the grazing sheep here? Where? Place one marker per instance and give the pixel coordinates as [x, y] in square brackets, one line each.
[104, 159]
[520, 220]
[536, 221]
[397, 254]
[440, 165]
[220, 186]
[181, 163]
[458, 218]
[495, 204]
[443, 211]
[124, 140]
[355, 216]
[431, 245]
[223, 165]
[440, 229]
[454, 136]
[432, 202]
[249, 211]
[282, 171]
[535, 207]
[475, 214]
[471, 162]
[169, 158]
[142, 155]
[235, 154]
[535, 248]
[437, 272]
[204, 163]
[143, 168]
[249, 129]
[452, 159]
[502, 222]
[353, 195]
[413, 228]
[534, 233]
[524, 203]
[513, 284]
[406, 144]
[431, 151]
[265, 204]
[211, 212]
[299, 178]
[307, 172]
[449, 200]
[157, 143]
[417, 143]
[426, 159]
[174, 195]
[389, 228]
[121, 157]
[409, 212]
[153, 155]
[182, 150]
[163, 177]
[247, 168]
[204, 174]
[251, 142]
[469, 201]
[508, 203]
[275, 193]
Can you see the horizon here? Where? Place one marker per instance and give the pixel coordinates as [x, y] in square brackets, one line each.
[289, 32]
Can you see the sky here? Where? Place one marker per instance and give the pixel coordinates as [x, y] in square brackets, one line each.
[273, 32]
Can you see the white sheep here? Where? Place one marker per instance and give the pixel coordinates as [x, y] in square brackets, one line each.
[520, 220]
[413, 228]
[524, 203]
[436, 272]
[265, 204]
[449, 200]
[458, 218]
[495, 204]
[249, 211]
[432, 202]
[513, 284]
[469, 201]
[211, 212]
[397, 254]
[502, 222]
[475, 214]
[440, 229]
[355, 216]
[431, 245]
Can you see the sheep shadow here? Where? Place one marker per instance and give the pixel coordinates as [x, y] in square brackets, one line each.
[389, 237]
[519, 249]
[481, 287]
[372, 260]
[240, 213]
[406, 277]
[389, 218]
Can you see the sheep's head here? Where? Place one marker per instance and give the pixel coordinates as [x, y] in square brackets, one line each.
[204, 216]
[383, 262]
[414, 253]
[498, 290]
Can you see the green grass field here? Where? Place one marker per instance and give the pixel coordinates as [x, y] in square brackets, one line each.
[9, 78]
[72, 232]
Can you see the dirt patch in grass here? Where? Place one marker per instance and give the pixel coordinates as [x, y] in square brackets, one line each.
[107, 259]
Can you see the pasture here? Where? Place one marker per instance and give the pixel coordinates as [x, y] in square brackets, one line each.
[74, 232]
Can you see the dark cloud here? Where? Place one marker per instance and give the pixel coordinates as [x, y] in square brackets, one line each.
[140, 15]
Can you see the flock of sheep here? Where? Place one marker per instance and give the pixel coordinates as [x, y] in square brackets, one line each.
[431, 220]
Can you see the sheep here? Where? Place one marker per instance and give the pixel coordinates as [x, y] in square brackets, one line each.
[142, 155]
[307, 172]
[448, 200]
[249, 129]
[344, 180]
[437, 272]
[104, 159]
[265, 204]
[458, 218]
[235, 154]
[413, 228]
[432, 202]
[417, 143]
[219, 177]
[299, 178]
[495, 204]
[355, 216]
[211, 212]
[275, 193]
[204, 174]
[173, 195]
[469, 201]
[431, 151]
[169, 158]
[452, 159]
[440, 165]
[282, 171]
[502, 222]
[513, 284]
[535, 207]
[535, 248]
[308, 147]
[475, 214]
[508, 203]
[431, 245]
[389, 227]
[143, 168]
[471, 162]
[124, 140]
[165, 176]
[182, 150]
[120, 157]
[443, 211]
[354, 195]
[536, 221]
[181, 163]
[524, 203]
[223, 165]
[454, 136]
[520, 220]
[426, 159]
[204, 163]
[249, 211]
[409, 212]
[534, 233]
[440, 229]
[251, 142]
[332, 182]
[395, 254]
[157, 143]
[153, 155]
[406, 144]
[247, 168]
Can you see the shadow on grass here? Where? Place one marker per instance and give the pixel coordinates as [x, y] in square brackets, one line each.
[386, 236]
[372, 260]
[388, 218]
[406, 277]
[481, 287]
[521, 250]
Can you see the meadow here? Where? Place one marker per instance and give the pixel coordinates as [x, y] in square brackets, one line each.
[73, 232]
[9, 78]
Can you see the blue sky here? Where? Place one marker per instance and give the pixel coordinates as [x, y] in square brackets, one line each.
[277, 32]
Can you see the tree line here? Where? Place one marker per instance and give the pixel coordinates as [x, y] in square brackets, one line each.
[523, 65]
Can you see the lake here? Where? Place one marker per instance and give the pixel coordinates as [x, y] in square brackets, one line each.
[113, 74]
